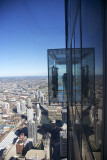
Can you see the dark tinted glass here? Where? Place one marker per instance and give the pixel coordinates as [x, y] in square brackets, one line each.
[92, 112]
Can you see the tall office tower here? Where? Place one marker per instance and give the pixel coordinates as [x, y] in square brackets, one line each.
[18, 107]
[29, 102]
[85, 80]
[30, 115]
[7, 107]
[38, 112]
[55, 81]
[47, 146]
[63, 143]
[64, 81]
[23, 106]
[86, 67]
[57, 76]
[42, 100]
[35, 130]
[32, 130]
[90, 135]
[38, 93]
[64, 115]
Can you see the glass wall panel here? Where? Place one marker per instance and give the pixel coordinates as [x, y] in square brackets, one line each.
[69, 108]
[72, 12]
[88, 91]
[104, 155]
[57, 76]
[78, 64]
[73, 75]
[92, 37]
[87, 63]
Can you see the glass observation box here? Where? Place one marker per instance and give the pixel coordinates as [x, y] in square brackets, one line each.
[71, 75]
[57, 76]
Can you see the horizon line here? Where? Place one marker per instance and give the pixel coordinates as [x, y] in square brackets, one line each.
[25, 76]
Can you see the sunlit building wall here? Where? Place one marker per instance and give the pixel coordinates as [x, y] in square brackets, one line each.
[30, 115]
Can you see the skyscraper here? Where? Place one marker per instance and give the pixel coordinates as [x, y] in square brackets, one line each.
[54, 81]
[42, 100]
[29, 102]
[23, 106]
[32, 130]
[82, 18]
[86, 65]
[63, 143]
[32, 125]
[30, 115]
[18, 107]
[38, 112]
[7, 107]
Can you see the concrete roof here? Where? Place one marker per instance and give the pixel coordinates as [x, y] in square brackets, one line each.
[33, 153]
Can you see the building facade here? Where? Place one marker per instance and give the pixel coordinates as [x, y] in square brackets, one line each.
[32, 131]
[86, 23]
[30, 114]
[63, 143]
[54, 112]
[81, 78]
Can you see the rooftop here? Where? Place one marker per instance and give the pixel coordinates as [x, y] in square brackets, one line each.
[35, 154]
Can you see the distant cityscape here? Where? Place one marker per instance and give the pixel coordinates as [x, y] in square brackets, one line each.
[53, 96]
[29, 127]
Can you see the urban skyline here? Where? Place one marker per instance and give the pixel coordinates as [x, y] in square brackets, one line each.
[53, 80]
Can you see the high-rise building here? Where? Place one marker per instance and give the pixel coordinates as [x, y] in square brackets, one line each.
[18, 107]
[29, 102]
[38, 112]
[6, 108]
[42, 100]
[63, 143]
[54, 81]
[23, 106]
[32, 130]
[38, 93]
[30, 115]
[85, 61]
[47, 146]
[64, 115]
[82, 18]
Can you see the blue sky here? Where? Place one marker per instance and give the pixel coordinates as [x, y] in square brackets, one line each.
[27, 29]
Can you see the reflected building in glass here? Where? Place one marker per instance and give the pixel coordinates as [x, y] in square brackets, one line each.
[57, 76]
[80, 81]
